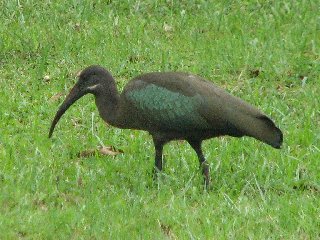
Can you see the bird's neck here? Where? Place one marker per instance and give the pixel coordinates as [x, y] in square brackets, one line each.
[107, 102]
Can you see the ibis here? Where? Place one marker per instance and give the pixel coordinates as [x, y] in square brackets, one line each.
[172, 106]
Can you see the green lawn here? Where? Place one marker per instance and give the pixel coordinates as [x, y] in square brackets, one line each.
[266, 52]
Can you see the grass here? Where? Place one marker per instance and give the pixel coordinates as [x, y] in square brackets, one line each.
[266, 52]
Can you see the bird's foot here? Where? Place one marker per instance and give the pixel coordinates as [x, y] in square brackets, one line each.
[206, 175]
[156, 174]
[207, 183]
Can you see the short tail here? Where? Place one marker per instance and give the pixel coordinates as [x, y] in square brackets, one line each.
[262, 128]
[269, 132]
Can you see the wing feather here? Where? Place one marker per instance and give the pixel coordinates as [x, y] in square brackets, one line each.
[166, 108]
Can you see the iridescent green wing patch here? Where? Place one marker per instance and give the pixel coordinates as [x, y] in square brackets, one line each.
[168, 109]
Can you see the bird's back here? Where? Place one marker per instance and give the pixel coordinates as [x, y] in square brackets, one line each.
[183, 104]
[165, 101]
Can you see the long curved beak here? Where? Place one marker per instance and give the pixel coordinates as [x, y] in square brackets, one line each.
[72, 97]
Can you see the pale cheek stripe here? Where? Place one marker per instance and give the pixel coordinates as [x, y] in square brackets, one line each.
[93, 87]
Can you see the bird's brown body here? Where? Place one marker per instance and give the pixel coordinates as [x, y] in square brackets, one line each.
[173, 106]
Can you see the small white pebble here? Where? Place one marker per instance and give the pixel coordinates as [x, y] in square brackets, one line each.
[167, 28]
[304, 81]
[46, 78]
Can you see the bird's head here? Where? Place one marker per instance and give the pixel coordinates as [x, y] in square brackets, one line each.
[91, 80]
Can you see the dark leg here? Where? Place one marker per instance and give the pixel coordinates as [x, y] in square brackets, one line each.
[196, 145]
[158, 145]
